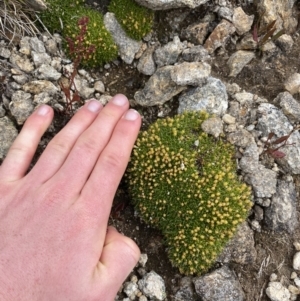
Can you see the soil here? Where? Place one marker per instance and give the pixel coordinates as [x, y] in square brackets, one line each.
[262, 77]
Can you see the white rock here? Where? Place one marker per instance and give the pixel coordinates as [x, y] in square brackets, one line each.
[292, 84]
[277, 292]
[296, 261]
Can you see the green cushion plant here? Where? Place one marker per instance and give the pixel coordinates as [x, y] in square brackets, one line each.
[184, 182]
[63, 16]
[136, 20]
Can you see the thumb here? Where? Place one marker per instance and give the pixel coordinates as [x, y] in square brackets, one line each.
[119, 256]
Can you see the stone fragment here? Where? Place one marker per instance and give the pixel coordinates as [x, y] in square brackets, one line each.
[211, 97]
[247, 43]
[196, 33]
[99, 86]
[21, 62]
[168, 54]
[225, 13]
[292, 84]
[220, 284]
[20, 79]
[146, 64]
[159, 89]
[285, 42]
[42, 98]
[296, 261]
[21, 106]
[241, 138]
[241, 248]
[219, 36]
[238, 61]
[196, 54]
[47, 72]
[37, 45]
[130, 289]
[193, 74]
[213, 126]
[241, 21]
[168, 4]
[40, 58]
[263, 181]
[143, 260]
[39, 86]
[228, 119]
[281, 215]
[186, 291]
[289, 105]
[277, 292]
[83, 88]
[25, 46]
[250, 158]
[8, 135]
[153, 286]
[127, 46]
[51, 46]
[4, 52]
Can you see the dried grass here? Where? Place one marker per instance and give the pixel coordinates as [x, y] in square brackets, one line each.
[16, 20]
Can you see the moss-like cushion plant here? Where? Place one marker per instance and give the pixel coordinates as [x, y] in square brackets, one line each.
[184, 182]
[136, 20]
[62, 17]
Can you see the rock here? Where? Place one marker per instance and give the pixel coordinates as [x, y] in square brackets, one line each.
[38, 5]
[194, 74]
[196, 54]
[238, 61]
[25, 46]
[211, 97]
[263, 181]
[51, 46]
[220, 284]
[228, 119]
[247, 43]
[289, 105]
[8, 135]
[39, 86]
[42, 98]
[20, 79]
[219, 36]
[82, 87]
[159, 89]
[168, 54]
[240, 249]
[130, 289]
[277, 292]
[186, 291]
[292, 84]
[281, 11]
[281, 215]
[168, 4]
[2, 111]
[143, 260]
[37, 45]
[47, 72]
[127, 46]
[296, 261]
[99, 86]
[285, 42]
[244, 98]
[241, 21]
[225, 13]
[213, 126]
[250, 158]
[4, 52]
[241, 138]
[153, 286]
[146, 64]
[196, 33]
[274, 121]
[21, 62]
[40, 58]
[21, 106]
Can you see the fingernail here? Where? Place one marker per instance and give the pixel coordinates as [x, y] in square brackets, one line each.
[119, 100]
[43, 110]
[131, 115]
[94, 106]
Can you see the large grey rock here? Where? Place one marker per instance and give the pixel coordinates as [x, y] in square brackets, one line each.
[273, 120]
[186, 290]
[211, 97]
[8, 135]
[153, 286]
[168, 54]
[220, 284]
[21, 106]
[240, 248]
[168, 4]
[127, 46]
[159, 89]
[281, 215]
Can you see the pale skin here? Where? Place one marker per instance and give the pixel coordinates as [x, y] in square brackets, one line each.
[54, 239]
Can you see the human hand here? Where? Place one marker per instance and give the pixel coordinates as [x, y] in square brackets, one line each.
[54, 240]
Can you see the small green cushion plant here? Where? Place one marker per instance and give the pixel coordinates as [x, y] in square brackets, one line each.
[63, 16]
[184, 182]
[136, 20]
